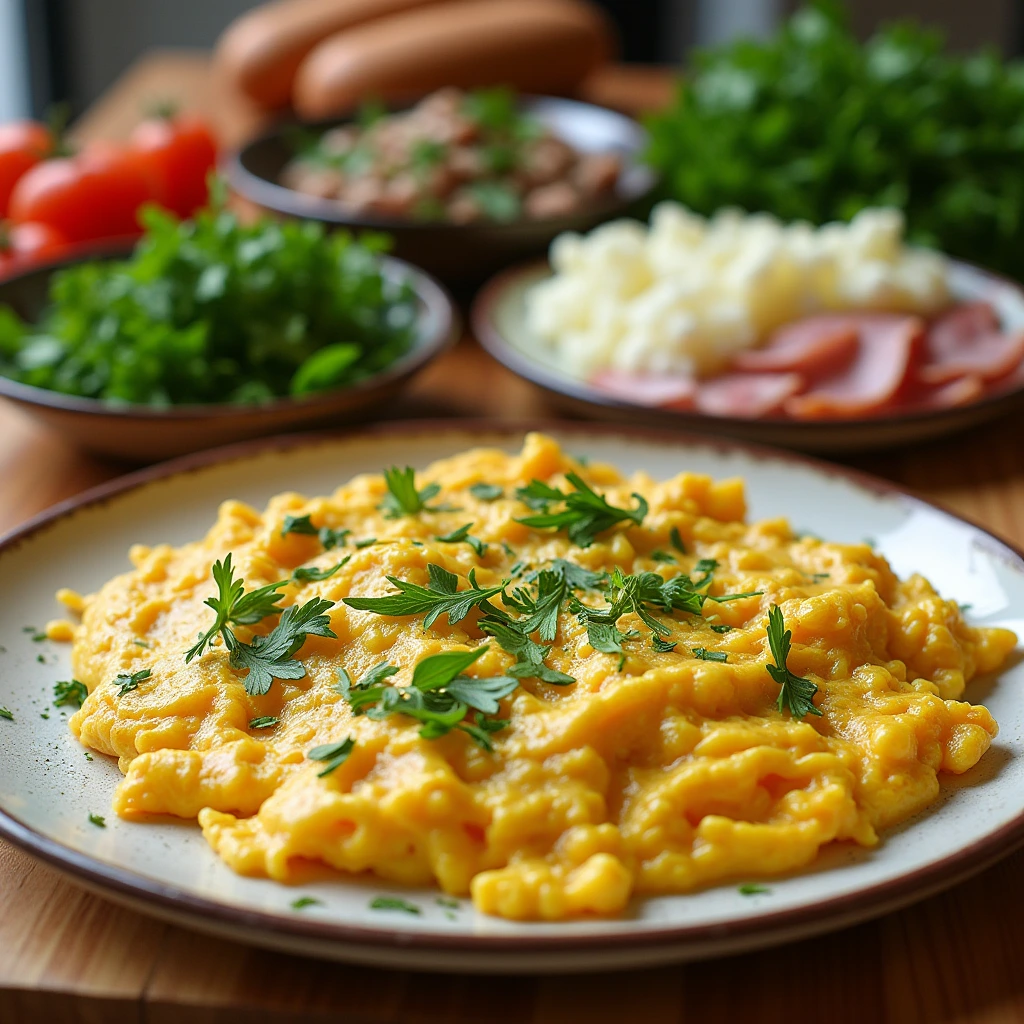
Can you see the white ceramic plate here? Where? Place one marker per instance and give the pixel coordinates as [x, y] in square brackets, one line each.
[48, 788]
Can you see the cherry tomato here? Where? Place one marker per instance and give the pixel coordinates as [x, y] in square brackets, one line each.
[94, 195]
[181, 152]
[22, 145]
[24, 244]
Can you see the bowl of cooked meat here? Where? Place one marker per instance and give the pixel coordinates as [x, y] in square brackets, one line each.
[464, 182]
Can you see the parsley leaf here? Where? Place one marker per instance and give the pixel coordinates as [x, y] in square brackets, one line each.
[69, 692]
[7, 714]
[796, 693]
[663, 645]
[128, 681]
[705, 655]
[271, 657]
[335, 754]
[393, 903]
[662, 556]
[720, 628]
[462, 536]
[298, 524]
[586, 512]
[441, 596]
[486, 492]
[263, 722]
[233, 605]
[98, 820]
[365, 542]
[752, 889]
[677, 541]
[305, 901]
[309, 574]
[403, 499]
[528, 653]
[607, 638]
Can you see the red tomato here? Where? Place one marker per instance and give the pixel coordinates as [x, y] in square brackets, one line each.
[181, 153]
[22, 145]
[23, 244]
[94, 195]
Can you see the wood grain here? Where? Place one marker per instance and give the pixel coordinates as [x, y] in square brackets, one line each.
[69, 956]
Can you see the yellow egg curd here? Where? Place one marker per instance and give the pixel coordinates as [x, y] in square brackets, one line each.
[655, 771]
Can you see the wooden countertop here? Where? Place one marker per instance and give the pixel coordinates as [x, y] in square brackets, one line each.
[69, 956]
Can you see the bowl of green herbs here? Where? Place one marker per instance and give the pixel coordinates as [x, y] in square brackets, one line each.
[213, 330]
[813, 124]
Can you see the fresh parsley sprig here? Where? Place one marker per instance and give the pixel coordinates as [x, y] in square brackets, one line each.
[439, 697]
[585, 515]
[233, 606]
[796, 693]
[513, 638]
[68, 692]
[328, 537]
[128, 681]
[334, 754]
[403, 499]
[309, 574]
[441, 596]
[463, 536]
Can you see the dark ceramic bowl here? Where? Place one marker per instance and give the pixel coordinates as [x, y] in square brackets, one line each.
[498, 321]
[138, 433]
[461, 253]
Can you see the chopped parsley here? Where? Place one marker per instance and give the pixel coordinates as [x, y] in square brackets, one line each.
[663, 645]
[486, 492]
[364, 543]
[719, 628]
[305, 901]
[393, 903]
[677, 540]
[403, 499]
[463, 536]
[98, 820]
[585, 515]
[439, 696]
[705, 655]
[67, 692]
[796, 693]
[306, 574]
[140, 643]
[263, 722]
[607, 638]
[334, 754]
[88, 756]
[7, 714]
[448, 904]
[752, 889]
[299, 524]
[529, 655]
[662, 556]
[440, 597]
[128, 681]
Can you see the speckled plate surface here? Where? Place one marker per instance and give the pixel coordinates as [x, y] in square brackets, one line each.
[48, 788]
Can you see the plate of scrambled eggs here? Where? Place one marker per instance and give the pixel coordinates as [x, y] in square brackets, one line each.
[479, 699]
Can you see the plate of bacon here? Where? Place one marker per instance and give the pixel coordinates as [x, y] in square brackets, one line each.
[826, 382]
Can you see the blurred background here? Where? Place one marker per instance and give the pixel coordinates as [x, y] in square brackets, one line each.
[71, 50]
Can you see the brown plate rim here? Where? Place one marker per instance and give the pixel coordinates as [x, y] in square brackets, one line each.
[490, 337]
[434, 296]
[862, 904]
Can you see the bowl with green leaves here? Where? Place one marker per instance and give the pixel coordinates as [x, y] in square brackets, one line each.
[212, 330]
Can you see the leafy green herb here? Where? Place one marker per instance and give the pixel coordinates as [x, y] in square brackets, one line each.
[441, 596]
[272, 656]
[308, 574]
[720, 628]
[141, 643]
[495, 200]
[448, 904]
[814, 125]
[529, 655]
[306, 901]
[214, 310]
[677, 541]
[607, 638]
[68, 692]
[752, 889]
[439, 696]
[662, 556]
[88, 756]
[393, 903]
[705, 655]
[403, 499]
[7, 713]
[45, 715]
[38, 638]
[365, 542]
[334, 754]
[724, 598]
[662, 645]
[98, 820]
[462, 536]
[486, 492]
[263, 722]
[586, 512]
[796, 693]
[128, 681]
[298, 524]
[233, 606]
[331, 539]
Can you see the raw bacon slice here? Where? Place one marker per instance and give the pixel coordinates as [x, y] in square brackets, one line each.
[673, 392]
[816, 347]
[886, 346]
[964, 391]
[747, 395]
[989, 355]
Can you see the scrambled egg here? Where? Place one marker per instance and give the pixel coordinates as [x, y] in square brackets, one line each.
[659, 775]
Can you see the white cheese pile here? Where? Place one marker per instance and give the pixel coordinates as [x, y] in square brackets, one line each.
[688, 293]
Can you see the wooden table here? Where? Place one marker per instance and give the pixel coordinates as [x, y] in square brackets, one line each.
[67, 955]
